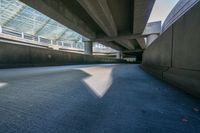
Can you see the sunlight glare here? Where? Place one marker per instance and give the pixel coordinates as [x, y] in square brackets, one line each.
[100, 80]
[3, 84]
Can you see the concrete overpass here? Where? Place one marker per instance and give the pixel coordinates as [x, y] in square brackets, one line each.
[116, 23]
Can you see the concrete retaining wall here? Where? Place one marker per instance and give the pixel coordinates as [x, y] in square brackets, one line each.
[175, 55]
[14, 55]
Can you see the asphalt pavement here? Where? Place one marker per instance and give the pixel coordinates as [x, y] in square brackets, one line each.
[112, 98]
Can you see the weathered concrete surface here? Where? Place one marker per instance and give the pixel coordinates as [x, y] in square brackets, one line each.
[177, 53]
[186, 48]
[56, 100]
[188, 80]
[14, 55]
[159, 53]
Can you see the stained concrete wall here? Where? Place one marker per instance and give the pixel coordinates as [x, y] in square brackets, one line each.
[175, 55]
[14, 55]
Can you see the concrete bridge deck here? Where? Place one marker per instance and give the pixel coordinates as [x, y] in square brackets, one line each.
[93, 99]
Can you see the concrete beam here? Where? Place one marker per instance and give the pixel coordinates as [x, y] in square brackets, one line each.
[141, 13]
[119, 37]
[114, 45]
[55, 9]
[152, 31]
[126, 43]
[141, 42]
[100, 12]
[133, 51]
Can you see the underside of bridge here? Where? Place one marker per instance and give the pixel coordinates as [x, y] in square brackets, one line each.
[115, 23]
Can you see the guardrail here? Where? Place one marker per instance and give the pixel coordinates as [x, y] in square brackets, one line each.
[37, 39]
[8, 33]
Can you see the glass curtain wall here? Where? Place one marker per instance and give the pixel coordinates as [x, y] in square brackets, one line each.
[17, 16]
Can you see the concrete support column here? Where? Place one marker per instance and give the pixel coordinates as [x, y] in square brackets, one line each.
[119, 55]
[88, 47]
[152, 30]
[151, 38]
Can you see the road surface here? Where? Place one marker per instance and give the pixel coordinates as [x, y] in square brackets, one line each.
[93, 99]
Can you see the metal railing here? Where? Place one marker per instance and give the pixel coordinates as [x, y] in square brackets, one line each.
[39, 40]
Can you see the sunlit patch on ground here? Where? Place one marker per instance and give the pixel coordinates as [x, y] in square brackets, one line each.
[3, 84]
[100, 80]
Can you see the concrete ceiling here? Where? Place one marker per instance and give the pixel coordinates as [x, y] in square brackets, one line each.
[115, 23]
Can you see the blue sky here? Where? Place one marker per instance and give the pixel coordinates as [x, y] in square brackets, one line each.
[161, 9]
